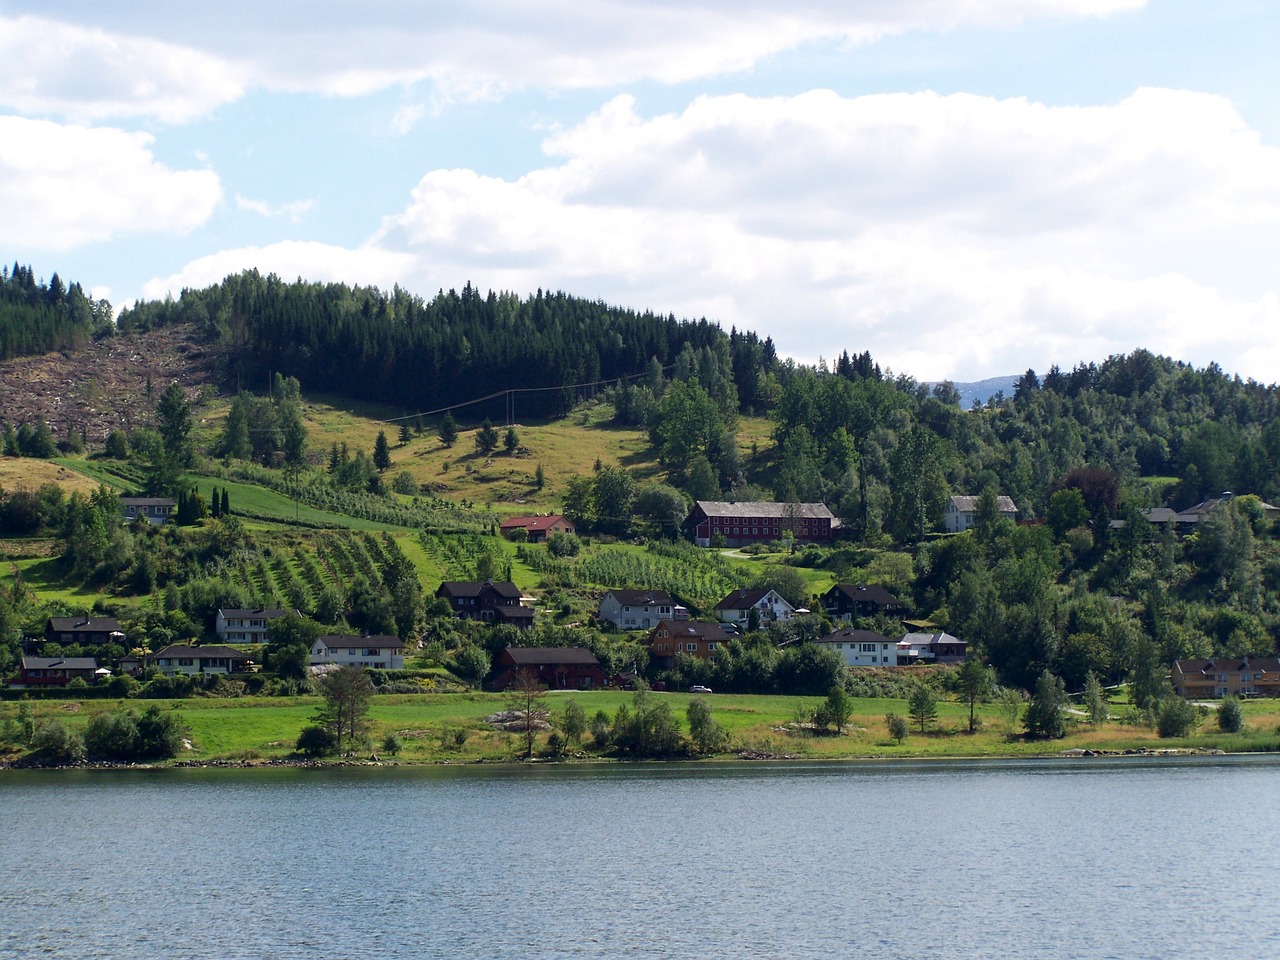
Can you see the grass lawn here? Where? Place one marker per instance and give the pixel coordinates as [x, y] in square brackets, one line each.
[255, 727]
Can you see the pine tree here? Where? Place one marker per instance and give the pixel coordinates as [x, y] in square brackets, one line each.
[539, 478]
[405, 434]
[512, 440]
[448, 430]
[486, 437]
[382, 452]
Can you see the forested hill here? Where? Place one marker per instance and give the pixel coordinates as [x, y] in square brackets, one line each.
[399, 348]
[36, 317]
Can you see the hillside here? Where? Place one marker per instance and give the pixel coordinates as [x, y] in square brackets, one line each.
[103, 385]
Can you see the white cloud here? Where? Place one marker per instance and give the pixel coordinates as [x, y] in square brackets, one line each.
[54, 67]
[64, 186]
[294, 210]
[180, 61]
[952, 236]
[319, 262]
[406, 117]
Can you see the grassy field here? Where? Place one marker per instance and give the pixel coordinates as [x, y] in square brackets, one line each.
[263, 728]
[24, 473]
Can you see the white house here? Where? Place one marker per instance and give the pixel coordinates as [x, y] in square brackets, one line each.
[935, 647]
[246, 626]
[346, 650]
[182, 659]
[962, 512]
[155, 509]
[765, 601]
[639, 609]
[862, 648]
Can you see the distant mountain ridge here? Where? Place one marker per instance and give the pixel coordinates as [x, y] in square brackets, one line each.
[983, 390]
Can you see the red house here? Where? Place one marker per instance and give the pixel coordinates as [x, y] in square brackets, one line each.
[57, 671]
[539, 527]
[558, 668]
[740, 523]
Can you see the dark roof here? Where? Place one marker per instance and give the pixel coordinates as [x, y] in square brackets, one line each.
[746, 597]
[472, 588]
[336, 641]
[67, 663]
[693, 628]
[212, 652]
[763, 508]
[510, 611]
[148, 501]
[1229, 665]
[642, 598]
[537, 656]
[262, 612]
[84, 624]
[861, 593]
[855, 636]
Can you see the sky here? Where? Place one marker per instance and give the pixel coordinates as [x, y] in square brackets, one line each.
[965, 188]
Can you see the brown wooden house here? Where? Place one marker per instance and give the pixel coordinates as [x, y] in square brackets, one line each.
[557, 668]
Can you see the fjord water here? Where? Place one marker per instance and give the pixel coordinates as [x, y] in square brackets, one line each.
[1130, 858]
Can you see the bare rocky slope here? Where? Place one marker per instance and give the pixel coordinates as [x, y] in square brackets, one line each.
[104, 386]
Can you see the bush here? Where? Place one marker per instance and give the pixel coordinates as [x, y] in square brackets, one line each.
[898, 726]
[1176, 718]
[1230, 715]
[564, 545]
[53, 741]
[155, 735]
[316, 741]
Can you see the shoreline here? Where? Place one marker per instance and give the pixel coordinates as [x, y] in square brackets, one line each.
[374, 762]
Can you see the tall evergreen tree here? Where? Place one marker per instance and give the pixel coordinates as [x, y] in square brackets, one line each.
[382, 452]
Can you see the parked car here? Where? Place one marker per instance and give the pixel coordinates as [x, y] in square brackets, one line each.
[699, 688]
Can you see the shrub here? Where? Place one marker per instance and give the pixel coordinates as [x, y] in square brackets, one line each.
[1230, 716]
[392, 744]
[564, 545]
[155, 735]
[316, 741]
[898, 726]
[1176, 718]
[54, 741]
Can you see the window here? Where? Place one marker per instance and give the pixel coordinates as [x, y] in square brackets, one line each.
[868, 648]
[370, 652]
[691, 647]
[712, 645]
[184, 661]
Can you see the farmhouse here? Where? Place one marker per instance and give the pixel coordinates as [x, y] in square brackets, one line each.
[639, 609]
[559, 668]
[862, 648]
[539, 526]
[932, 647]
[380, 652]
[765, 601]
[747, 522]
[962, 512]
[690, 637]
[57, 671]
[486, 601]
[181, 659]
[86, 631]
[246, 626]
[155, 509]
[848, 601]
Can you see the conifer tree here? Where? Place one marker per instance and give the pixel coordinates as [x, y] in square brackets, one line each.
[448, 430]
[382, 452]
